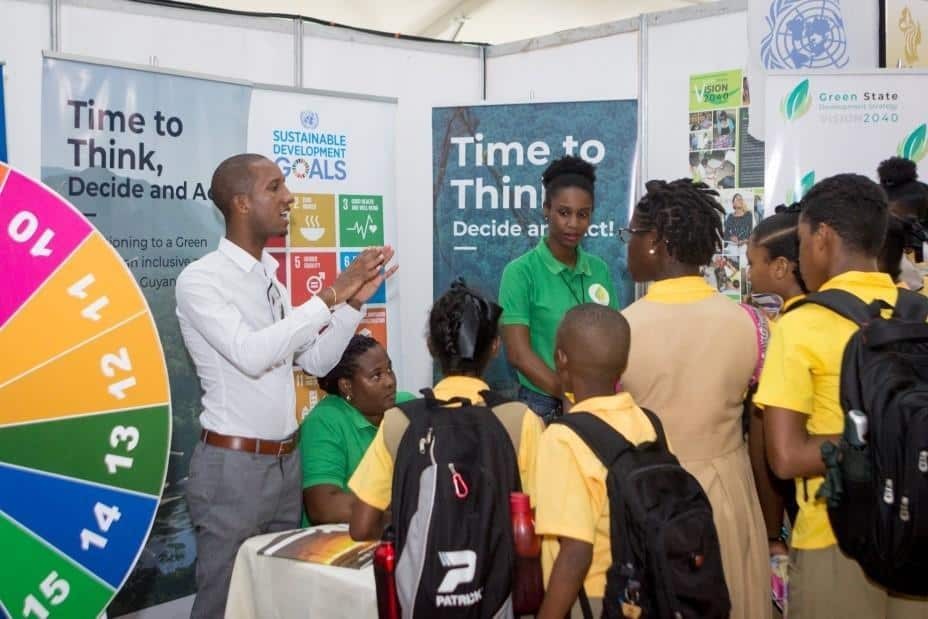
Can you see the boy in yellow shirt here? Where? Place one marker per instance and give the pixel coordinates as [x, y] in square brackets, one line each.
[572, 506]
[841, 232]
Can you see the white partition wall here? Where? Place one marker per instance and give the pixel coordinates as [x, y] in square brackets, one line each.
[554, 68]
[24, 33]
[680, 44]
[258, 49]
[420, 75]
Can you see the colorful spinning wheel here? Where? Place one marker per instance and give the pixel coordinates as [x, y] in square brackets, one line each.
[85, 416]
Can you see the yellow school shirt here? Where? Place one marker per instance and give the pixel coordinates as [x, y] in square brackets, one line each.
[372, 481]
[689, 289]
[791, 302]
[571, 499]
[802, 373]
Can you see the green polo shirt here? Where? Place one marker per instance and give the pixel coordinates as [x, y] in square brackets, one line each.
[333, 439]
[537, 289]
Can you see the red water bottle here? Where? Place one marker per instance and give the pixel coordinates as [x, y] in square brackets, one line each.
[388, 602]
[527, 583]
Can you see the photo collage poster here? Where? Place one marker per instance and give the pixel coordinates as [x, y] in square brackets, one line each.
[725, 157]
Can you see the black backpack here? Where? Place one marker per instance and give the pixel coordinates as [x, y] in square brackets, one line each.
[876, 481]
[455, 468]
[665, 550]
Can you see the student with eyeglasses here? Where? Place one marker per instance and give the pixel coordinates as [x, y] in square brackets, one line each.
[538, 287]
[244, 338]
[692, 359]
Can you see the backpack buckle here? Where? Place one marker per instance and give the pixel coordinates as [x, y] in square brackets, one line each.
[425, 442]
[632, 592]
[697, 560]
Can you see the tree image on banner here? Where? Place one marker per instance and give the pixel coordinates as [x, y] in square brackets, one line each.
[801, 187]
[797, 103]
[915, 144]
[805, 34]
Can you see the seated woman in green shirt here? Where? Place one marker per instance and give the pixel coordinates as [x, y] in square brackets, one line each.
[538, 287]
[339, 429]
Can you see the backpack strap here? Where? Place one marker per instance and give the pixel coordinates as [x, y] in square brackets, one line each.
[658, 428]
[762, 331]
[511, 415]
[602, 439]
[911, 306]
[397, 419]
[840, 302]
[494, 398]
[394, 425]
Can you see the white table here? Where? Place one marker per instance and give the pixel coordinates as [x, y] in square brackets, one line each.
[271, 588]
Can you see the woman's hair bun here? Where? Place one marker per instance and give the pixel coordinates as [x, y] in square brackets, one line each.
[569, 165]
[896, 171]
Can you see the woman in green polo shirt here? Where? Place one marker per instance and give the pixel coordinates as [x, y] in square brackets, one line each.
[340, 428]
[538, 287]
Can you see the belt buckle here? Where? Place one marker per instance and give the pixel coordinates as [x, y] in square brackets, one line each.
[280, 449]
[258, 446]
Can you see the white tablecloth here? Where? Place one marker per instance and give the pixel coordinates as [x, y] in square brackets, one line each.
[275, 588]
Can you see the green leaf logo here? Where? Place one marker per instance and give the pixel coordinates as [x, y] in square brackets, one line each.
[915, 145]
[802, 188]
[797, 102]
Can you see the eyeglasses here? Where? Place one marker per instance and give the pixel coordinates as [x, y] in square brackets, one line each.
[625, 234]
[275, 301]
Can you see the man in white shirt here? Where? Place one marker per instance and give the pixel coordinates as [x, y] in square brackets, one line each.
[244, 338]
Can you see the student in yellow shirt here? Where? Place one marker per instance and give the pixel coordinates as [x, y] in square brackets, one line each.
[773, 256]
[572, 505]
[463, 338]
[841, 231]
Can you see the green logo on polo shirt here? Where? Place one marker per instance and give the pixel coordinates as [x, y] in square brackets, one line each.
[599, 294]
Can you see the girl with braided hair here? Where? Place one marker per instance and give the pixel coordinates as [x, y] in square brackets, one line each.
[776, 284]
[463, 337]
[538, 287]
[693, 356]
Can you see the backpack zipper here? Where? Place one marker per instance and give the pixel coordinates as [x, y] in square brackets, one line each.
[424, 442]
[430, 440]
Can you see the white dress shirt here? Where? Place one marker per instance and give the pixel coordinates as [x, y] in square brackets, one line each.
[243, 336]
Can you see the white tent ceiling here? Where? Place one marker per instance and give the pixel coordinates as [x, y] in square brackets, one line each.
[489, 21]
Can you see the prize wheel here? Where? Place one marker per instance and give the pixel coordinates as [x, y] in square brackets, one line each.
[85, 416]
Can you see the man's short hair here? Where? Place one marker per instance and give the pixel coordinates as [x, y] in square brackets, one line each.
[852, 205]
[233, 177]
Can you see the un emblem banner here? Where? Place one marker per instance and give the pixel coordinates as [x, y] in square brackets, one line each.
[808, 35]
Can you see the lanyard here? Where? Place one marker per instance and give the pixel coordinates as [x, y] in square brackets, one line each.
[573, 293]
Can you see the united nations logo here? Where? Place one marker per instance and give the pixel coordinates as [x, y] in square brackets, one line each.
[309, 119]
[300, 168]
[805, 34]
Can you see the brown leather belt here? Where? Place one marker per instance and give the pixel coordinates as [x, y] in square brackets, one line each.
[252, 445]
